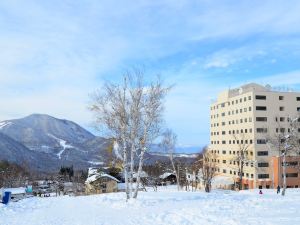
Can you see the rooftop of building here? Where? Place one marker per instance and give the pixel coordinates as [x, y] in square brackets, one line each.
[251, 87]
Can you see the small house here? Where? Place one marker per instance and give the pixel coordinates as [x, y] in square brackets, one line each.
[168, 178]
[99, 182]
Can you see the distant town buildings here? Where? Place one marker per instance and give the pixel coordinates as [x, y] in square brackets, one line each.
[246, 117]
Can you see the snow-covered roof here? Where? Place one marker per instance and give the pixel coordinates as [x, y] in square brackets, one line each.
[165, 175]
[100, 175]
[92, 171]
[14, 191]
[143, 174]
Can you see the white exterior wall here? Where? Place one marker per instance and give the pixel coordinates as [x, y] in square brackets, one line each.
[239, 105]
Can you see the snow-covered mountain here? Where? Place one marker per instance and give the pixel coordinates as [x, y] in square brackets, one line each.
[50, 141]
[45, 143]
[156, 148]
[44, 133]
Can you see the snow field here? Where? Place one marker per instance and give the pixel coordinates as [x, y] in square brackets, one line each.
[167, 206]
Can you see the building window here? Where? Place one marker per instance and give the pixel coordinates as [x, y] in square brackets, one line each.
[249, 97]
[298, 109]
[224, 161]
[223, 132]
[291, 164]
[282, 119]
[261, 119]
[250, 108]
[262, 153]
[261, 141]
[224, 152]
[261, 108]
[260, 97]
[261, 130]
[223, 142]
[281, 108]
[298, 99]
[263, 164]
[263, 176]
[224, 171]
[292, 175]
[281, 98]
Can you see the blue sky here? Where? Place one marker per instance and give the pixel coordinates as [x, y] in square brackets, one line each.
[54, 53]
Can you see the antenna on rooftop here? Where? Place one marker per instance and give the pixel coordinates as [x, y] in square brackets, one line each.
[268, 86]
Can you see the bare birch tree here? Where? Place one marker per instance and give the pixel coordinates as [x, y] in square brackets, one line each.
[151, 121]
[168, 144]
[131, 113]
[242, 157]
[210, 169]
[286, 143]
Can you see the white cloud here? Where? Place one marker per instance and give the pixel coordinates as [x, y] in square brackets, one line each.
[53, 53]
[228, 57]
[289, 79]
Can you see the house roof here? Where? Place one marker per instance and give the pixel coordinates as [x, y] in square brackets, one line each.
[143, 174]
[165, 175]
[94, 174]
[14, 191]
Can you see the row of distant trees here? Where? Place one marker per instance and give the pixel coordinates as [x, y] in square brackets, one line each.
[12, 174]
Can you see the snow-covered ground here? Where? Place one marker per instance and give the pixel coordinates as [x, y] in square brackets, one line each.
[167, 206]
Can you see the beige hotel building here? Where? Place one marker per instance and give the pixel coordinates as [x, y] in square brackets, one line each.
[248, 115]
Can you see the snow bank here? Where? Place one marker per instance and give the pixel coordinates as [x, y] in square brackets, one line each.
[167, 206]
